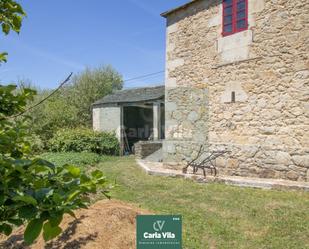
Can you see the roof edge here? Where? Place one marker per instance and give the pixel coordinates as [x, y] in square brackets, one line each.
[116, 104]
[150, 98]
[167, 13]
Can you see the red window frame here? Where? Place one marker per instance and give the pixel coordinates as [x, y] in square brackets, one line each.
[232, 5]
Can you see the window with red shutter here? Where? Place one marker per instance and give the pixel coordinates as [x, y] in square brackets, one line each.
[235, 16]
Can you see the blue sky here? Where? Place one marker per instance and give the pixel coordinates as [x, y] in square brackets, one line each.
[63, 36]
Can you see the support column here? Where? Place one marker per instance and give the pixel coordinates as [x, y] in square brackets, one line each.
[156, 121]
[121, 132]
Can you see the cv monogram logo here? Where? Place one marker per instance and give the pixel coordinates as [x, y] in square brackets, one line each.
[158, 225]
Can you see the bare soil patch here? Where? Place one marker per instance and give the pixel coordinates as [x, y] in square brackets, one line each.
[105, 225]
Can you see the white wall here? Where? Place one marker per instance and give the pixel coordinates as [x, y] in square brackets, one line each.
[107, 119]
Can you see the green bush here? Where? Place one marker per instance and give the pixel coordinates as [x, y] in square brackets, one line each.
[84, 140]
[36, 143]
[34, 191]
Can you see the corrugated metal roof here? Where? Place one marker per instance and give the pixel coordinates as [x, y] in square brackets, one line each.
[133, 95]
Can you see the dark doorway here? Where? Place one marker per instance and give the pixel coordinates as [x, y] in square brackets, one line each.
[138, 125]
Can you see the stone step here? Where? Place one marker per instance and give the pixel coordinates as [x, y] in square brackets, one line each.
[156, 168]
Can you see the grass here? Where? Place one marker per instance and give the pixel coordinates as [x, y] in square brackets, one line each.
[74, 158]
[216, 215]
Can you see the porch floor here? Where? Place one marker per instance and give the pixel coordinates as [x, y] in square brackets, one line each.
[156, 168]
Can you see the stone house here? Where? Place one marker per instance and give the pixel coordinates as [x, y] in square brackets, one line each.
[237, 77]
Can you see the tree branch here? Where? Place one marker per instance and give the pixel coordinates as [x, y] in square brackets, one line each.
[46, 98]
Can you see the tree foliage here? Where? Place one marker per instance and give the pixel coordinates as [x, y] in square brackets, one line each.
[55, 113]
[11, 15]
[71, 106]
[89, 86]
[35, 191]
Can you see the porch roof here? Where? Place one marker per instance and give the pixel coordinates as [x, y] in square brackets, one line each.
[134, 95]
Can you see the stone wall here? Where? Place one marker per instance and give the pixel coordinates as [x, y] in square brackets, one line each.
[145, 148]
[186, 120]
[265, 67]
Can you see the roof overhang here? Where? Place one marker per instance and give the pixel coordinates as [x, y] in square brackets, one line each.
[134, 96]
[167, 13]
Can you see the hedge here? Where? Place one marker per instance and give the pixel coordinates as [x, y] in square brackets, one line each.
[84, 140]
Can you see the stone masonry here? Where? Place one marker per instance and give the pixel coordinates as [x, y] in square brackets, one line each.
[146, 148]
[265, 67]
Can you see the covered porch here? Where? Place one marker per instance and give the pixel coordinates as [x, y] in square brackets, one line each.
[141, 122]
[134, 115]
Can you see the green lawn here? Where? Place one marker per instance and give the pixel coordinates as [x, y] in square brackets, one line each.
[215, 215]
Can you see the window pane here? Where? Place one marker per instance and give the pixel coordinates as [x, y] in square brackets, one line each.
[241, 24]
[228, 2]
[228, 28]
[241, 5]
[241, 15]
[227, 19]
[228, 11]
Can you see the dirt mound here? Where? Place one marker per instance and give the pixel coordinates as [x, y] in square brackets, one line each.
[105, 225]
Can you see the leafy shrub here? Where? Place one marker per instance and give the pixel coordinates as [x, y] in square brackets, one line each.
[84, 140]
[75, 158]
[34, 191]
[36, 143]
[54, 114]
